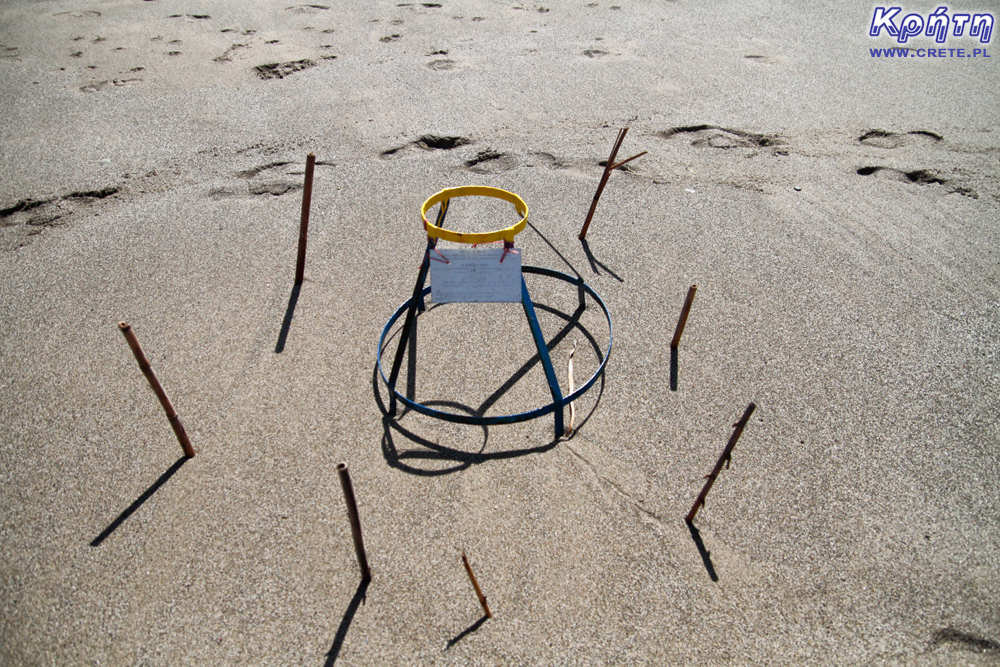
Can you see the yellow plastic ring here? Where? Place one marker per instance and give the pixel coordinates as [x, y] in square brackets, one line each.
[445, 195]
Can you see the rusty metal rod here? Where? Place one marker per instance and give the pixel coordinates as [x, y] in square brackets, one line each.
[147, 370]
[684, 316]
[604, 181]
[300, 266]
[725, 458]
[352, 515]
[475, 585]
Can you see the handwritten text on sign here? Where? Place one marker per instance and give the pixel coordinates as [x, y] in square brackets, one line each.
[475, 276]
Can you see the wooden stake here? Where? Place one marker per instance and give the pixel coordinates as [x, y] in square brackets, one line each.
[725, 458]
[475, 585]
[352, 515]
[604, 181]
[684, 316]
[147, 370]
[608, 167]
[300, 266]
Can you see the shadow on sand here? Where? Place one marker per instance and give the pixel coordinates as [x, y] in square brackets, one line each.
[345, 623]
[706, 555]
[146, 495]
[431, 451]
[465, 633]
[286, 324]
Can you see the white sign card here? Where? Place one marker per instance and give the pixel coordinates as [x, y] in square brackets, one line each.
[475, 276]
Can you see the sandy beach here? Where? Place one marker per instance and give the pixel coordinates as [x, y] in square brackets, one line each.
[837, 208]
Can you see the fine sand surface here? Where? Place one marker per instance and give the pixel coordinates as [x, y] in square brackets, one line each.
[838, 213]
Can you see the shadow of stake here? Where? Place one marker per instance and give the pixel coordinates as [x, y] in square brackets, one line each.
[594, 262]
[706, 555]
[286, 324]
[146, 495]
[673, 369]
[345, 623]
[465, 633]
[559, 254]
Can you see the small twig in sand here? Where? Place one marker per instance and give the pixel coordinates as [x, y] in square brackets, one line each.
[147, 370]
[726, 457]
[572, 406]
[475, 586]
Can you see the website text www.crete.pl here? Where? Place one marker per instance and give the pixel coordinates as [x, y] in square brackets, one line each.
[907, 52]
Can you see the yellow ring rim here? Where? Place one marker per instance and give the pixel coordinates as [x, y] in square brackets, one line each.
[445, 196]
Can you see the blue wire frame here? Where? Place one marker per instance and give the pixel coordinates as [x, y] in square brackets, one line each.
[558, 402]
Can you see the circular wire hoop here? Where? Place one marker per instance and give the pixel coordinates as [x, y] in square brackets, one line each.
[447, 194]
[500, 419]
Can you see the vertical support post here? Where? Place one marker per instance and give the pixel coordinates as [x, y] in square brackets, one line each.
[300, 266]
[352, 515]
[725, 458]
[475, 587]
[684, 316]
[543, 353]
[147, 370]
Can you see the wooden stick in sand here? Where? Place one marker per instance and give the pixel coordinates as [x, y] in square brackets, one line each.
[684, 316]
[725, 458]
[475, 586]
[147, 370]
[572, 406]
[300, 266]
[608, 167]
[352, 515]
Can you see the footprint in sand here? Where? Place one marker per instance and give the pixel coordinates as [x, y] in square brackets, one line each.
[272, 178]
[884, 139]
[306, 9]
[281, 70]
[94, 86]
[79, 15]
[30, 217]
[228, 55]
[713, 136]
[491, 162]
[550, 160]
[918, 177]
[426, 142]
